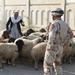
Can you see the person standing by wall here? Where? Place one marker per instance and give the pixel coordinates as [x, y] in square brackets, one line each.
[59, 34]
[13, 25]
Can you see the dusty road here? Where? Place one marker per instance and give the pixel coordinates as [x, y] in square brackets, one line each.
[24, 69]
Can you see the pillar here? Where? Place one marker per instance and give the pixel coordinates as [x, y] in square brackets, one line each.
[28, 13]
[3, 15]
[63, 5]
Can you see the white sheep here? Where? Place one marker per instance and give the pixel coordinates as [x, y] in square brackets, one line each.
[35, 35]
[68, 50]
[72, 53]
[38, 52]
[25, 46]
[8, 51]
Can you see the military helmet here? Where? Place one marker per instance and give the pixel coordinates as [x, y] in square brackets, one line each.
[57, 11]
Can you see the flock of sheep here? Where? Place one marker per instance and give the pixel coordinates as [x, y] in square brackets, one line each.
[31, 46]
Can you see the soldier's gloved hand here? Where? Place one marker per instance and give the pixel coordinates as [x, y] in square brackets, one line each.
[49, 47]
[23, 24]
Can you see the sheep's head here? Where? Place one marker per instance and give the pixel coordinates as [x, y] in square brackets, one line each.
[42, 30]
[70, 45]
[19, 43]
[29, 31]
[38, 40]
[11, 39]
[44, 37]
[6, 34]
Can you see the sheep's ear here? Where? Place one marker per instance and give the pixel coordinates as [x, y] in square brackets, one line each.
[70, 44]
[5, 34]
[20, 44]
[11, 39]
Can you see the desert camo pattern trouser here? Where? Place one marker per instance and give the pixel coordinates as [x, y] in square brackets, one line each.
[53, 59]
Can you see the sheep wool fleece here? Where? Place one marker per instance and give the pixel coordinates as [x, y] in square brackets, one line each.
[59, 34]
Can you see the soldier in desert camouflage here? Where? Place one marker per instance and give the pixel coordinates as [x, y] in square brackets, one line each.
[59, 34]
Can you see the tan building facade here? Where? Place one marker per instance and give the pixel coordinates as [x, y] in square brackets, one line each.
[37, 13]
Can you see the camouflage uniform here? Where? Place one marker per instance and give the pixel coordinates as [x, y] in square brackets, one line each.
[59, 34]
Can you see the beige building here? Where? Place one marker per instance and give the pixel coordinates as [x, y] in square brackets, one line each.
[37, 13]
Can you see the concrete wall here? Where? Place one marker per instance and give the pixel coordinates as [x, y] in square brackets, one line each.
[70, 15]
[38, 12]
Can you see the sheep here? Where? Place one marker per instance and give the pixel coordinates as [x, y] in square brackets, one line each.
[31, 37]
[25, 46]
[4, 34]
[38, 52]
[73, 40]
[5, 37]
[68, 50]
[35, 35]
[8, 51]
[72, 53]
[42, 30]
[10, 39]
[44, 37]
[28, 32]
